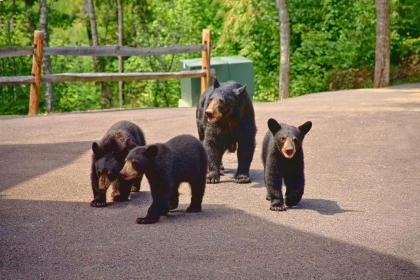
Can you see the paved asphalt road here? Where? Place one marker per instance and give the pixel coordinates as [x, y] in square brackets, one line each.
[359, 218]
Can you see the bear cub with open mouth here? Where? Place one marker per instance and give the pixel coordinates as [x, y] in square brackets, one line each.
[282, 157]
[166, 166]
[108, 159]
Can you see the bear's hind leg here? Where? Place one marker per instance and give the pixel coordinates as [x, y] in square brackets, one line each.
[197, 193]
[174, 199]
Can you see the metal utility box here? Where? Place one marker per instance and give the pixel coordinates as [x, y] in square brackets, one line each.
[236, 68]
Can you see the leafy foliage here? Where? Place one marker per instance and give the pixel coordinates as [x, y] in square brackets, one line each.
[332, 45]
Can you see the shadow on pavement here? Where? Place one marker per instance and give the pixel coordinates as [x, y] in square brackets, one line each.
[19, 163]
[322, 206]
[62, 240]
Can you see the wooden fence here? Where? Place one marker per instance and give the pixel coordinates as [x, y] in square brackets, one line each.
[38, 52]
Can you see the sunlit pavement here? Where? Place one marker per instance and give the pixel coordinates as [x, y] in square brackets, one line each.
[359, 218]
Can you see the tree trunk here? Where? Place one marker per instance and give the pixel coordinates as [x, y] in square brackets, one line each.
[106, 93]
[31, 27]
[43, 23]
[92, 30]
[10, 31]
[120, 43]
[382, 51]
[284, 76]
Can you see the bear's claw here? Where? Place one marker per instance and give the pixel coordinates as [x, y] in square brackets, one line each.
[119, 198]
[135, 188]
[193, 209]
[146, 220]
[213, 178]
[278, 208]
[97, 204]
[242, 179]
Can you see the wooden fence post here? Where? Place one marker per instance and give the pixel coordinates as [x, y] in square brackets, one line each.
[205, 60]
[34, 94]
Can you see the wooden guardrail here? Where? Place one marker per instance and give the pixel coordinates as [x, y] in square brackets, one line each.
[38, 52]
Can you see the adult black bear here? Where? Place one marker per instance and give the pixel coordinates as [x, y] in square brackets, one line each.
[166, 166]
[225, 121]
[108, 159]
[282, 157]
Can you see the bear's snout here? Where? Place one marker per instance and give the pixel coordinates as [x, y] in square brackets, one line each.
[128, 172]
[288, 150]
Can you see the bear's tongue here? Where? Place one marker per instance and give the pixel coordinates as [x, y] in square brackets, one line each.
[210, 117]
[288, 153]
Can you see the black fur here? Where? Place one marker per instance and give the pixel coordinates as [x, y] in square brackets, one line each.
[166, 166]
[108, 157]
[236, 129]
[278, 169]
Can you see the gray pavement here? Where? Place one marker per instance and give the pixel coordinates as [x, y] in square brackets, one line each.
[359, 218]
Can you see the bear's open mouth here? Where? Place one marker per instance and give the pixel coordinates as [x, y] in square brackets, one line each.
[210, 117]
[289, 153]
[129, 176]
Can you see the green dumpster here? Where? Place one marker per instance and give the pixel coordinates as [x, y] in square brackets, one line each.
[227, 68]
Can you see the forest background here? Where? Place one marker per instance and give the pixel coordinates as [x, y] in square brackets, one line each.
[332, 45]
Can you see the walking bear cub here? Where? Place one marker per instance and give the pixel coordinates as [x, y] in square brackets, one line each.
[225, 121]
[282, 157]
[108, 159]
[166, 166]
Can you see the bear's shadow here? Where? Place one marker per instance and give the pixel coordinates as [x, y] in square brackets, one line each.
[322, 206]
[136, 198]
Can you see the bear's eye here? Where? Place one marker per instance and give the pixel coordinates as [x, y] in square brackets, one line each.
[283, 139]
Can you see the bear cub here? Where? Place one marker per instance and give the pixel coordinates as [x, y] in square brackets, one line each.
[166, 166]
[282, 157]
[226, 122]
[108, 159]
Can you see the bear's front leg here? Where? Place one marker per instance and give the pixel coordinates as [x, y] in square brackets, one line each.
[160, 204]
[294, 189]
[246, 147]
[273, 183]
[122, 190]
[153, 214]
[99, 201]
[136, 183]
[99, 198]
[214, 154]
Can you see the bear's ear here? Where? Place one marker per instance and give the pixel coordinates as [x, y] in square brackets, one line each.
[304, 128]
[151, 151]
[273, 125]
[95, 148]
[240, 90]
[215, 83]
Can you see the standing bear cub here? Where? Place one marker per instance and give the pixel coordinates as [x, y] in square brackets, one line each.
[108, 159]
[166, 166]
[225, 121]
[282, 157]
